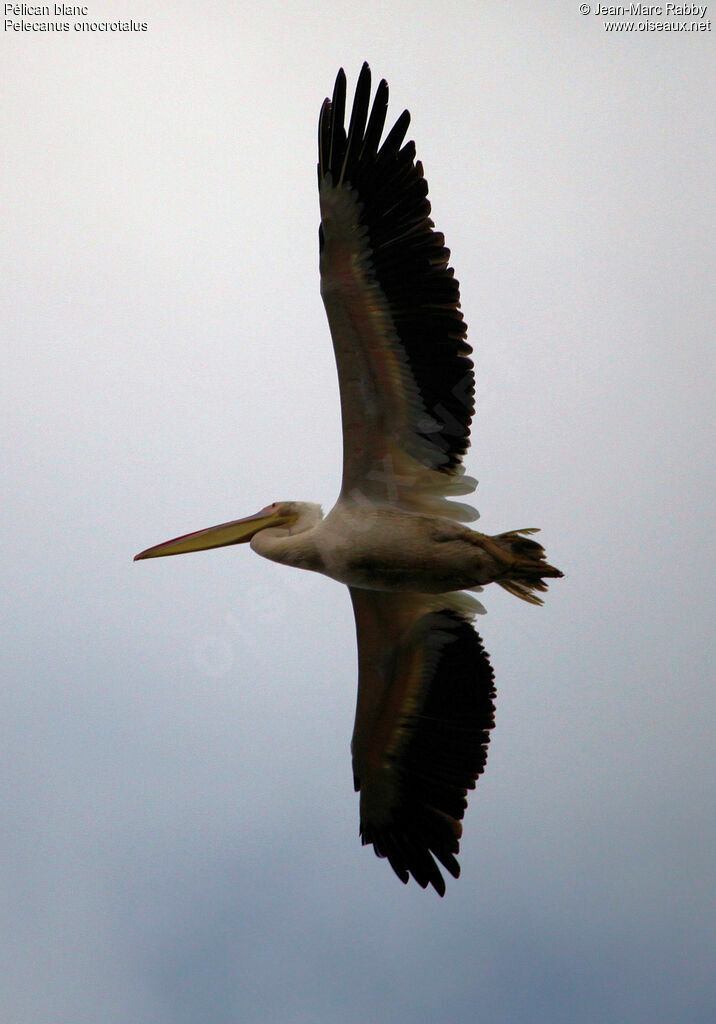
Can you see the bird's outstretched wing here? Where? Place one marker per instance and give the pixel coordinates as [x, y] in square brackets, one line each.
[423, 719]
[406, 379]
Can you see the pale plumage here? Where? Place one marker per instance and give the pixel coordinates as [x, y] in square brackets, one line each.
[395, 535]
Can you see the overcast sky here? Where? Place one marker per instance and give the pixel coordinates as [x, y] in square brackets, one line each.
[179, 838]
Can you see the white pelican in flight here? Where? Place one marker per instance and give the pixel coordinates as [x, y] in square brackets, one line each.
[395, 536]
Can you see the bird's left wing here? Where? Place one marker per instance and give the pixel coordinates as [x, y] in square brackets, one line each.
[405, 376]
[424, 713]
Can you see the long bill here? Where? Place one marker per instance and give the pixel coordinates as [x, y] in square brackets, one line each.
[236, 532]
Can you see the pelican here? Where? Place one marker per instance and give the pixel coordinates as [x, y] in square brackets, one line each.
[396, 536]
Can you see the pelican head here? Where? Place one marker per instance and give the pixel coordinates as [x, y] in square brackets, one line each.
[295, 515]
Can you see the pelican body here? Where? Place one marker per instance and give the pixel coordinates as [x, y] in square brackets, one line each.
[396, 537]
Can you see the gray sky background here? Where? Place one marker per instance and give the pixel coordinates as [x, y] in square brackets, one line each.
[179, 839]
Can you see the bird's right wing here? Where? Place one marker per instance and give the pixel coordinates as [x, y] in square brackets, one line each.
[423, 719]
